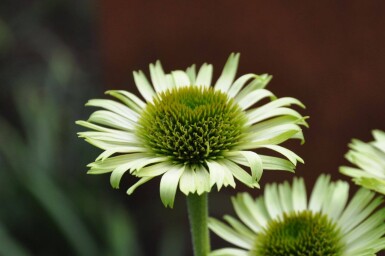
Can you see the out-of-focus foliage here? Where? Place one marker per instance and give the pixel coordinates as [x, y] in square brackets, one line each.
[47, 68]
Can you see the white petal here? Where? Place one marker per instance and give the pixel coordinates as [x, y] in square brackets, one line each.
[202, 180]
[239, 83]
[272, 201]
[128, 98]
[137, 184]
[259, 82]
[318, 194]
[228, 74]
[228, 234]
[143, 86]
[113, 120]
[187, 182]
[115, 107]
[180, 78]
[299, 197]
[229, 252]
[158, 77]
[169, 184]
[190, 71]
[287, 153]
[204, 75]
[217, 175]
[254, 97]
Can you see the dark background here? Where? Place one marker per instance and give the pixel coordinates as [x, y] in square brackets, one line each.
[55, 55]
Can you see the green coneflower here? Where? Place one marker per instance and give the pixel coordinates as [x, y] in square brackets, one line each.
[283, 222]
[191, 133]
[370, 159]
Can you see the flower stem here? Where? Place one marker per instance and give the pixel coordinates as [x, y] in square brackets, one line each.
[197, 207]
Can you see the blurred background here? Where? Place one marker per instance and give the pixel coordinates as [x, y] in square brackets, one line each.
[57, 54]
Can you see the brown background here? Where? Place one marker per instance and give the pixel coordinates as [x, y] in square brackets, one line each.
[328, 54]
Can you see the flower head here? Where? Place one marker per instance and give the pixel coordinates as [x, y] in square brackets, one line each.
[283, 222]
[193, 134]
[370, 160]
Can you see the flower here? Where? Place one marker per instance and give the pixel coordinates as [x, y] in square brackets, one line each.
[370, 159]
[191, 133]
[283, 222]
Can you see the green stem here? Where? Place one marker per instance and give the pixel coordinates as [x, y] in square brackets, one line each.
[198, 214]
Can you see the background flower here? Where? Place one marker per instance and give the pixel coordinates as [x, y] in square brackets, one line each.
[283, 222]
[193, 134]
[370, 160]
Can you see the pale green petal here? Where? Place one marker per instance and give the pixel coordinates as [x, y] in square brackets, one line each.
[217, 175]
[133, 165]
[228, 74]
[129, 99]
[253, 161]
[154, 170]
[287, 153]
[229, 252]
[275, 135]
[180, 78]
[113, 120]
[337, 201]
[143, 86]
[202, 180]
[241, 174]
[169, 184]
[158, 77]
[358, 209]
[245, 213]
[299, 197]
[238, 226]
[191, 72]
[125, 137]
[118, 173]
[229, 234]
[275, 163]
[286, 198]
[187, 181]
[137, 184]
[115, 107]
[259, 82]
[272, 201]
[204, 75]
[254, 97]
[96, 127]
[374, 184]
[255, 116]
[318, 194]
[239, 83]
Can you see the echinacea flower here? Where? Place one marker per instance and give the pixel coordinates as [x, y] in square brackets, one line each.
[370, 160]
[191, 133]
[283, 222]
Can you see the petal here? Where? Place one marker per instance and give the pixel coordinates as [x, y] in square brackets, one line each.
[137, 184]
[187, 182]
[169, 184]
[143, 86]
[115, 107]
[229, 234]
[287, 153]
[180, 78]
[299, 197]
[259, 82]
[239, 83]
[129, 99]
[204, 75]
[228, 74]
[113, 120]
[190, 71]
[254, 97]
[158, 77]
